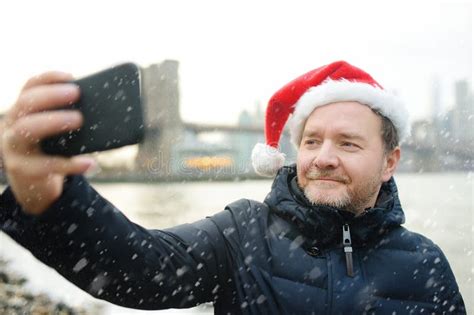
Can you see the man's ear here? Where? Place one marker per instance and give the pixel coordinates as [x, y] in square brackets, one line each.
[390, 164]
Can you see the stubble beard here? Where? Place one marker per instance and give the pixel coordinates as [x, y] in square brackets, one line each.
[352, 200]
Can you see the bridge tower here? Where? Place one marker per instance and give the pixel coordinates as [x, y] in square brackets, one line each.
[164, 126]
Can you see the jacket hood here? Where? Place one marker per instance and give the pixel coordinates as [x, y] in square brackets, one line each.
[322, 225]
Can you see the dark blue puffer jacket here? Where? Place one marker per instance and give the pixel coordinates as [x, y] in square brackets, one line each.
[282, 256]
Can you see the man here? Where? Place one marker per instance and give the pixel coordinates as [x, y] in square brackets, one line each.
[326, 240]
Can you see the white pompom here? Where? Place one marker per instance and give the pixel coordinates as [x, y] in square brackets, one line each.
[266, 160]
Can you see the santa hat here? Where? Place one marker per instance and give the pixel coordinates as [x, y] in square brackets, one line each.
[336, 82]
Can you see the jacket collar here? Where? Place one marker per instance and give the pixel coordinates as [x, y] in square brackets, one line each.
[323, 224]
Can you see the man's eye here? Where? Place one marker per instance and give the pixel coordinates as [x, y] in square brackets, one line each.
[349, 145]
[310, 142]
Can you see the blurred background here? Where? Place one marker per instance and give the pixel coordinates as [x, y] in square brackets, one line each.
[209, 67]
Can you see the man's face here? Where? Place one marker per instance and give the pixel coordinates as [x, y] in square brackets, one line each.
[341, 160]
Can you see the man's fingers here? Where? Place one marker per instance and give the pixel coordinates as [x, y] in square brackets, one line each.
[27, 132]
[41, 166]
[44, 97]
[48, 78]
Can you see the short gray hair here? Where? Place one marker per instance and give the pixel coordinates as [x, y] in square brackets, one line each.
[389, 133]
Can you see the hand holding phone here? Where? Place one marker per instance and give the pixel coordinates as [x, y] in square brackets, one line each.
[111, 105]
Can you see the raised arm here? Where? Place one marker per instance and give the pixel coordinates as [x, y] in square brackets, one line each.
[92, 244]
[53, 212]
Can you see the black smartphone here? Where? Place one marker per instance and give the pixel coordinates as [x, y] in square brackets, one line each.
[111, 103]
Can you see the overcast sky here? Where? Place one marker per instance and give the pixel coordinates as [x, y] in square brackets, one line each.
[234, 54]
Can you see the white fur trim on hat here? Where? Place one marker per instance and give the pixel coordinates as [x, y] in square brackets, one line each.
[266, 160]
[332, 91]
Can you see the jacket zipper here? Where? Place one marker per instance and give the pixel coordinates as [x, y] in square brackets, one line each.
[346, 241]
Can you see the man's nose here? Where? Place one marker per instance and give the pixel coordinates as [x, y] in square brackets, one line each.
[326, 156]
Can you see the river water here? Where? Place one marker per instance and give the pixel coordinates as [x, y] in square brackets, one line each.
[438, 205]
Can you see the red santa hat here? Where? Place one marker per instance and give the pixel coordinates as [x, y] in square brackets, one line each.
[335, 82]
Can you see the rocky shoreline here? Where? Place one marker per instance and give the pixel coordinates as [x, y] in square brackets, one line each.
[15, 299]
